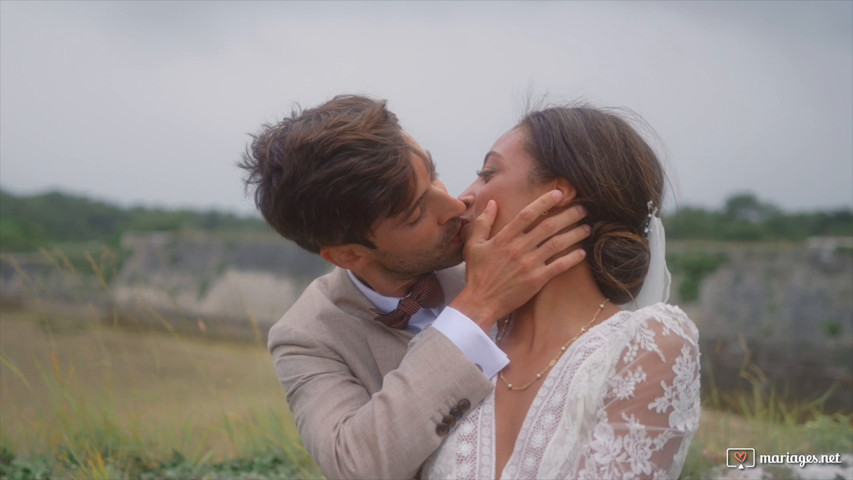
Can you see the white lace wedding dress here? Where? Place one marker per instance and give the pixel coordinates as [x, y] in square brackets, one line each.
[622, 402]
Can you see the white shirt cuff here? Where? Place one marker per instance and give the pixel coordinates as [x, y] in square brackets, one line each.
[472, 341]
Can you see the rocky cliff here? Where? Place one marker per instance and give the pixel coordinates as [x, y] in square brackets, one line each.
[781, 313]
[777, 315]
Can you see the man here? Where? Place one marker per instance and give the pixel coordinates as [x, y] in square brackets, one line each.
[345, 181]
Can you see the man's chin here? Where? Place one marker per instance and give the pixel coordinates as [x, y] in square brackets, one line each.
[455, 259]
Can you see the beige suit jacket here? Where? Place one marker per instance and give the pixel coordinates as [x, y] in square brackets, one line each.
[370, 401]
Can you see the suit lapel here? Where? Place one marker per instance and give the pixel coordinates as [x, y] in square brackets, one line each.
[388, 346]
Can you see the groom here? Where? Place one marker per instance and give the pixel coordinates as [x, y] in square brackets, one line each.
[384, 355]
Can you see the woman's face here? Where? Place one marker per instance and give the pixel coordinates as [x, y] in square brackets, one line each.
[505, 178]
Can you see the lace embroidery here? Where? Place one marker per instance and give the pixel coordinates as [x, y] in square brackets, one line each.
[680, 395]
[551, 398]
[623, 387]
[599, 413]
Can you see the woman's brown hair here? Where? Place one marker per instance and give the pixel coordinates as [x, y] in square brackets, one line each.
[615, 173]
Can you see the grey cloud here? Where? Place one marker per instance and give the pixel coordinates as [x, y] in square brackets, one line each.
[151, 102]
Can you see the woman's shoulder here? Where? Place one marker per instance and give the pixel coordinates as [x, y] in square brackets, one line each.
[656, 336]
[666, 319]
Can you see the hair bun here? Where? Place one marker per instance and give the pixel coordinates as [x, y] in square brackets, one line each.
[619, 259]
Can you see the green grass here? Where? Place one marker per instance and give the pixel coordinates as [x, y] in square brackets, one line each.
[82, 400]
[766, 420]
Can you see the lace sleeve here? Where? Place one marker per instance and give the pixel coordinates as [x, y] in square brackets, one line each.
[650, 409]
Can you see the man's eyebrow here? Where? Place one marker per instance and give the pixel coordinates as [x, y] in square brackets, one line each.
[433, 174]
[430, 166]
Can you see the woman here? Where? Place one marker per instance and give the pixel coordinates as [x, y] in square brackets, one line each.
[592, 390]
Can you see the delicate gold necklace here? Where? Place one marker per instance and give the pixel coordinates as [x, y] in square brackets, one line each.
[553, 360]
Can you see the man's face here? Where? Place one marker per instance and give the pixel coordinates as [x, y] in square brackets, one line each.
[427, 235]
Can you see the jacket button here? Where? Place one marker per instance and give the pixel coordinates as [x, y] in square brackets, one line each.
[441, 429]
[464, 404]
[449, 420]
[456, 413]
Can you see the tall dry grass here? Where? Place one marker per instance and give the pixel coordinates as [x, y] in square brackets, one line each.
[93, 396]
[94, 400]
[763, 417]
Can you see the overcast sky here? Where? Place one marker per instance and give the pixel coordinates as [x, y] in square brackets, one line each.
[152, 102]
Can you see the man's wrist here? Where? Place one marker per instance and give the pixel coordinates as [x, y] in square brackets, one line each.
[475, 344]
[480, 312]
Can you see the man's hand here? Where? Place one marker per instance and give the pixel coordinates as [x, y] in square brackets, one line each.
[507, 270]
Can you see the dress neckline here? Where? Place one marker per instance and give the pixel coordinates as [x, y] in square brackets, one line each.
[545, 383]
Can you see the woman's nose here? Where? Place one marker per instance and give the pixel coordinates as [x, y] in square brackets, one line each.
[467, 197]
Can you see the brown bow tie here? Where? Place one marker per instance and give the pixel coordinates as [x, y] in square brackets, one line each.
[426, 293]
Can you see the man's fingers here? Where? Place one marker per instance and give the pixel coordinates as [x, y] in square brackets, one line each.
[562, 241]
[564, 262]
[483, 224]
[561, 221]
[531, 214]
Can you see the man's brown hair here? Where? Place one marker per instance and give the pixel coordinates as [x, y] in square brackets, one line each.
[327, 175]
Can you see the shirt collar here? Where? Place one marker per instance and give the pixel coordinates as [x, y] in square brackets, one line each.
[381, 302]
[418, 322]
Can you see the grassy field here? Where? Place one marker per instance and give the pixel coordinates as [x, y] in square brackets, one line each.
[100, 402]
[82, 400]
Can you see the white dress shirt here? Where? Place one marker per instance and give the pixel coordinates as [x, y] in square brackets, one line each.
[461, 330]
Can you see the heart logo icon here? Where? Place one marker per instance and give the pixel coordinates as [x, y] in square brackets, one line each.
[740, 456]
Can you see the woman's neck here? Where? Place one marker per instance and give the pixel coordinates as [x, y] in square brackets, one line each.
[558, 312]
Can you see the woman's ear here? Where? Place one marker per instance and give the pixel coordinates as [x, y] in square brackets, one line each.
[569, 192]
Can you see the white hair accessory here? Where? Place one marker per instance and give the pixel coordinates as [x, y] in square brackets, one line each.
[653, 211]
[655, 287]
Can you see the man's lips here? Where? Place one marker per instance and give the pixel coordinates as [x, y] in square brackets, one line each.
[453, 235]
[458, 237]
[463, 232]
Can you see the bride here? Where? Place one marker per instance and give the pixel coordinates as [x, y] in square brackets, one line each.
[592, 390]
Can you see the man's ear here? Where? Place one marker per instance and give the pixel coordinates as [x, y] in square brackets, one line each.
[569, 192]
[350, 256]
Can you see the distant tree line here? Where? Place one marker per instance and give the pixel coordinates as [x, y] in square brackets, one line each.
[745, 218]
[28, 223]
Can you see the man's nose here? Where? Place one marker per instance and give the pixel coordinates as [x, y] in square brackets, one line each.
[453, 206]
[459, 207]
